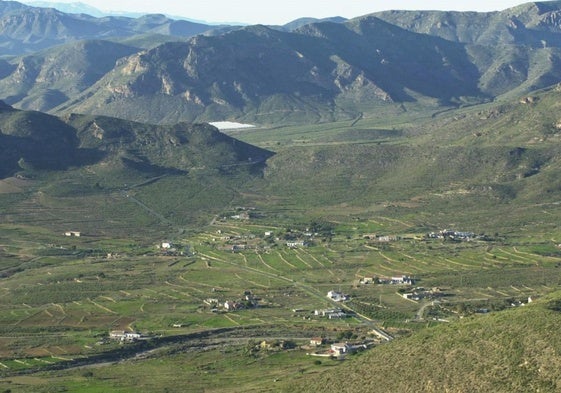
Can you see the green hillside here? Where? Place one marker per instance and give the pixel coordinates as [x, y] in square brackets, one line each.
[466, 167]
[91, 160]
[514, 351]
[358, 199]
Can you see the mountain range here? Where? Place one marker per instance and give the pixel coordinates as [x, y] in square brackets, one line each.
[160, 70]
[426, 120]
[82, 8]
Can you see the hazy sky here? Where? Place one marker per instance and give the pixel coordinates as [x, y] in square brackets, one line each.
[283, 11]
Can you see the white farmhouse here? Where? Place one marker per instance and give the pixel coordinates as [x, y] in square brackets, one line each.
[337, 296]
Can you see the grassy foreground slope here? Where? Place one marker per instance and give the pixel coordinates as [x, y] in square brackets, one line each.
[513, 351]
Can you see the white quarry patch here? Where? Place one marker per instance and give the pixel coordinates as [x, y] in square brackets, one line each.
[230, 125]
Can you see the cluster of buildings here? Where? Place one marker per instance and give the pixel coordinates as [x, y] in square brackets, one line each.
[420, 293]
[125, 336]
[451, 234]
[237, 243]
[172, 249]
[395, 280]
[291, 239]
[382, 238]
[331, 313]
[297, 243]
[338, 350]
[248, 300]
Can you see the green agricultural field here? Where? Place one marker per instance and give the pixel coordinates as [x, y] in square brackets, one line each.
[60, 306]
[211, 263]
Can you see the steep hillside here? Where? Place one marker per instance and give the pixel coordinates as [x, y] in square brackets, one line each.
[46, 79]
[33, 142]
[492, 166]
[177, 148]
[515, 51]
[535, 24]
[257, 74]
[114, 175]
[512, 351]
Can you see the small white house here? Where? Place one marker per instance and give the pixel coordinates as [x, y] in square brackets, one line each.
[231, 306]
[165, 246]
[326, 312]
[296, 244]
[72, 234]
[337, 315]
[317, 341]
[339, 349]
[367, 280]
[124, 335]
[337, 296]
[403, 280]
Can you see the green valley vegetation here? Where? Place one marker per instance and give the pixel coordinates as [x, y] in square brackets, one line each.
[373, 238]
[224, 261]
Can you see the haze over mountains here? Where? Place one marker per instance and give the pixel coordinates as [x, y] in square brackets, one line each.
[161, 70]
[82, 8]
[70, 8]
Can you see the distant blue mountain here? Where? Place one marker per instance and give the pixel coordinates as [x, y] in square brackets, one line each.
[69, 8]
[82, 8]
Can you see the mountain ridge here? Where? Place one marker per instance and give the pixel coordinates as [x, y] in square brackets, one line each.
[316, 65]
[307, 71]
[34, 141]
